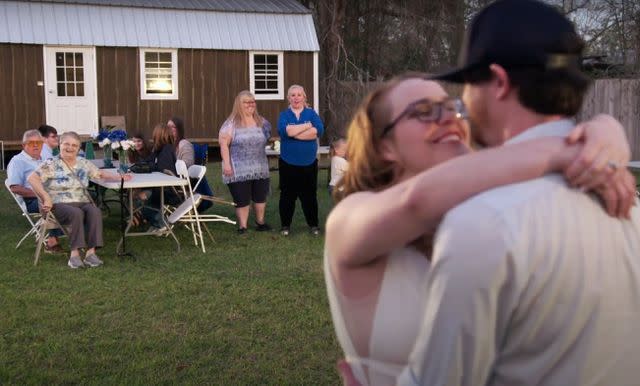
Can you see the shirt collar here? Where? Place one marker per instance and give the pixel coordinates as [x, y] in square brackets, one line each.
[559, 128]
[29, 157]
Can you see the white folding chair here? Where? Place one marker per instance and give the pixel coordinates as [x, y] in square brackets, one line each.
[198, 172]
[34, 219]
[187, 212]
[48, 221]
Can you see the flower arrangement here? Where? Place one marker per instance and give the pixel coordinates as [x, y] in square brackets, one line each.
[114, 139]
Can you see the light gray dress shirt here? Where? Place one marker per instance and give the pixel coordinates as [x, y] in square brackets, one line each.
[531, 284]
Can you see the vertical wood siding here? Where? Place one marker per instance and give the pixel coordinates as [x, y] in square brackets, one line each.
[21, 99]
[208, 83]
[621, 99]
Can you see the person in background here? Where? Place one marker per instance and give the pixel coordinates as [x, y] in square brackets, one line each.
[141, 149]
[245, 169]
[50, 146]
[20, 167]
[299, 127]
[61, 183]
[164, 160]
[339, 164]
[186, 152]
[184, 148]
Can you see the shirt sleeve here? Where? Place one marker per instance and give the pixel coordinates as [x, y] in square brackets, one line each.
[92, 170]
[282, 125]
[266, 129]
[226, 129]
[46, 170]
[14, 172]
[465, 312]
[317, 122]
[186, 152]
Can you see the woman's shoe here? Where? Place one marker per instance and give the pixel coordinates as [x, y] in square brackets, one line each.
[242, 231]
[264, 227]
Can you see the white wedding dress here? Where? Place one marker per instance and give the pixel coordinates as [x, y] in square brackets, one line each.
[385, 326]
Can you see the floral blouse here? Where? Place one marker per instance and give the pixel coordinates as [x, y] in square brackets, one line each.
[61, 185]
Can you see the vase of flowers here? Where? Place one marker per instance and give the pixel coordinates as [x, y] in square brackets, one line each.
[110, 139]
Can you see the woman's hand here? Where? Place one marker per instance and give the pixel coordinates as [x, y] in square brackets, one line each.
[601, 164]
[47, 204]
[127, 176]
[605, 150]
[227, 170]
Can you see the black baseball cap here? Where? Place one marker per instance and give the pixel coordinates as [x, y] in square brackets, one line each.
[517, 34]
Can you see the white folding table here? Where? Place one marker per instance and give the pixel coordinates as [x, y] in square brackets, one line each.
[139, 181]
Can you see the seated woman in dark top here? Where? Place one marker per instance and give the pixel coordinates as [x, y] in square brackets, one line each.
[141, 149]
[164, 159]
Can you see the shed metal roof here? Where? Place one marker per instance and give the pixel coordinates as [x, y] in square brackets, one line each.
[263, 6]
[64, 23]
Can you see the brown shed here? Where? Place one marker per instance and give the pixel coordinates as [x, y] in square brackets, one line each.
[68, 62]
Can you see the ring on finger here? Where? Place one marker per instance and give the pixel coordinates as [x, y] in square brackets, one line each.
[613, 165]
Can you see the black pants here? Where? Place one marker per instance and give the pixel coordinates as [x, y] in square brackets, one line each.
[298, 182]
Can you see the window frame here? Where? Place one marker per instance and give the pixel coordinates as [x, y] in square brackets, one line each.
[252, 76]
[174, 74]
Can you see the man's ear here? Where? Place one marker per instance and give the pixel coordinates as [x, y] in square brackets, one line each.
[501, 81]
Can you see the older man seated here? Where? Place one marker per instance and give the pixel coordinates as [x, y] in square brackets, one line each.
[18, 171]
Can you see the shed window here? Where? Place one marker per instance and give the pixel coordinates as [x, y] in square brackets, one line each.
[266, 75]
[69, 74]
[158, 74]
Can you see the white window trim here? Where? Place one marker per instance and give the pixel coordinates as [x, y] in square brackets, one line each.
[252, 76]
[174, 75]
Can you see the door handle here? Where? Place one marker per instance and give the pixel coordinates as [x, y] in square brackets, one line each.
[50, 91]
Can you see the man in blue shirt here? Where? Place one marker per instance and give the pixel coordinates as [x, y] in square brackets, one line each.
[18, 171]
[50, 137]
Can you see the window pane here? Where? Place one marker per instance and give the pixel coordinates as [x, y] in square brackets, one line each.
[60, 74]
[71, 89]
[151, 65]
[80, 74]
[272, 59]
[273, 85]
[165, 57]
[260, 85]
[69, 72]
[79, 59]
[61, 89]
[80, 89]
[263, 91]
[59, 59]
[259, 59]
[150, 56]
[68, 59]
[164, 65]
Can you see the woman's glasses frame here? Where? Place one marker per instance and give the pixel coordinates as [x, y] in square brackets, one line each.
[453, 105]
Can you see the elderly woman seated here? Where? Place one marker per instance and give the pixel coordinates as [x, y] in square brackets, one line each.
[61, 184]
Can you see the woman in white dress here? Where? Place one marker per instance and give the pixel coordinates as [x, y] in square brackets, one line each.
[393, 196]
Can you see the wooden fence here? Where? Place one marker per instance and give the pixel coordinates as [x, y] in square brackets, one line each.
[618, 97]
[621, 99]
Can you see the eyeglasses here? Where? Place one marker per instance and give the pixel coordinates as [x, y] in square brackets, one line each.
[33, 143]
[427, 111]
[71, 145]
[249, 102]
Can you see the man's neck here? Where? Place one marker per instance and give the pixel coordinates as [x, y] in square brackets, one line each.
[519, 119]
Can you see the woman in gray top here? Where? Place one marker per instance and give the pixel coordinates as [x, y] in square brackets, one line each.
[245, 168]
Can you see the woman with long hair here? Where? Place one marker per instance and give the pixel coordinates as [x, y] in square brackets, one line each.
[409, 163]
[245, 169]
[184, 149]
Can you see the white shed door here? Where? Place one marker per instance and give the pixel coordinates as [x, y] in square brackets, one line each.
[70, 82]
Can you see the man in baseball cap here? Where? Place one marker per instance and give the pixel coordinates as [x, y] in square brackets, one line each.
[531, 283]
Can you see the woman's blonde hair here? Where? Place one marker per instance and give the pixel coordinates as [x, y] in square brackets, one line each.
[304, 94]
[161, 136]
[368, 170]
[236, 112]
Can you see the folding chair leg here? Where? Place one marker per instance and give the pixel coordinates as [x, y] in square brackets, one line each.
[42, 233]
[31, 232]
[206, 228]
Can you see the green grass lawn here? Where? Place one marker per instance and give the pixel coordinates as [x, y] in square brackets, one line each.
[252, 310]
